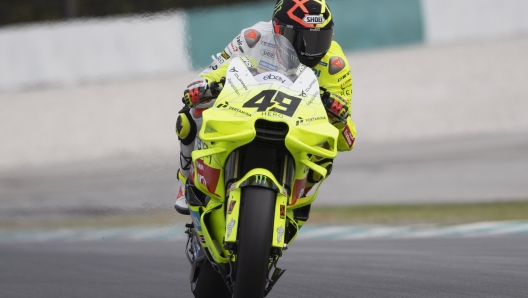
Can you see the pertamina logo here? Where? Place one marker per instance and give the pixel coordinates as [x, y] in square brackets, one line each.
[314, 19]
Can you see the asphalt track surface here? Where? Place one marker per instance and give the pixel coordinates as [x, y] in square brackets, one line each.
[470, 169]
[449, 267]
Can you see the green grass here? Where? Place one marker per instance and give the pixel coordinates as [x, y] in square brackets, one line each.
[442, 214]
[439, 214]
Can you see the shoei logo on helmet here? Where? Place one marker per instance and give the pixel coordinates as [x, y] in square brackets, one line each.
[314, 19]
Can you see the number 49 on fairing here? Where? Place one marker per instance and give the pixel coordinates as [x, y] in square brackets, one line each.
[281, 103]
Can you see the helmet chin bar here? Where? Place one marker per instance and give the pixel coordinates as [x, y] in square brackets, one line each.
[310, 61]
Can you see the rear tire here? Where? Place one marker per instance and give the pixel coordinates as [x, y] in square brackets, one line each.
[209, 283]
[255, 232]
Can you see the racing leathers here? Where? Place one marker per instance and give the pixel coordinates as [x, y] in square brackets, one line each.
[335, 81]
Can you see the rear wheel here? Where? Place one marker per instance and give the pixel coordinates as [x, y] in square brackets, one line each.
[255, 232]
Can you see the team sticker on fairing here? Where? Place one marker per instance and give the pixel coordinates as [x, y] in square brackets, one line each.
[231, 207]
[230, 227]
[280, 233]
[247, 62]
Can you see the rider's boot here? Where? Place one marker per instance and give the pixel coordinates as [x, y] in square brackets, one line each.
[181, 202]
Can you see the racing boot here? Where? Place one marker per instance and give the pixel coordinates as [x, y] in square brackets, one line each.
[181, 202]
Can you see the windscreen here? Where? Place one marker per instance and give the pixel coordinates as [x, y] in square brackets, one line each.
[274, 53]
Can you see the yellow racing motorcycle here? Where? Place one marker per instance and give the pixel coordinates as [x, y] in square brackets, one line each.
[252, 156]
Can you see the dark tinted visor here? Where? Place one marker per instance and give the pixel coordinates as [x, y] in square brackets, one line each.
[307, 42]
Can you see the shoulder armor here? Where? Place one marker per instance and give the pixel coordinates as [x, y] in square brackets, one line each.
[336, 65]
[252, 37]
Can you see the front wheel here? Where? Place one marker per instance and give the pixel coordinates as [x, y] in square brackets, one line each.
[209, 283]
[255, 232]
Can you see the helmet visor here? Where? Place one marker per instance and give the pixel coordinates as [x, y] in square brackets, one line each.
[306, 41]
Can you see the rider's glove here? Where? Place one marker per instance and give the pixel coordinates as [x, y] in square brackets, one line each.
[200, 91]
[335, 105]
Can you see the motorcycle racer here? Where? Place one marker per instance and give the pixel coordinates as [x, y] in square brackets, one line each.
[308, 26]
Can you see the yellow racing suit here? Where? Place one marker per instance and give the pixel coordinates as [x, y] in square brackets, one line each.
[333, 73]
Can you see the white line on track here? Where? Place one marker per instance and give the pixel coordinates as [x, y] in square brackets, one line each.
[334, 233]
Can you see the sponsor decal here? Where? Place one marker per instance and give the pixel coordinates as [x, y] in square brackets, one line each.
[272, 114]
[196, 220]
[247, 61]
[314, 20]
[231, 207]
[323, 63]
[233, 69]
[300, 69]
[268, 66]
[239, 40]
[284, 192]
[346, 83]
[346, 92]
[266, 53]
[252, 37]
[239, 111]
[225, 55]
[261, 179]
[233, 186]
[310, 55]
[317, 72]
[233, 47]
[303, 94]
[280, 233]
[207, 176]
[230, 82]
[180, 193]
[282, 211]
[214, 67]
[278, 7]
[251, 34]
[241, 82]
[230, 227]
[298, 189]
[268, 44]
[348, 136]
[274, 78]
[343, 77]
[336, 65]
[310, 86]
[308, 120]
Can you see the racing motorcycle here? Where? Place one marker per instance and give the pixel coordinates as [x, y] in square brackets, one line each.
[249, 169]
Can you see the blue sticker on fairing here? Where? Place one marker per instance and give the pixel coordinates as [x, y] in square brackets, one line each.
[268, 65]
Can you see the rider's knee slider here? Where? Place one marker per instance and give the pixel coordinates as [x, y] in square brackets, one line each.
[186, 128]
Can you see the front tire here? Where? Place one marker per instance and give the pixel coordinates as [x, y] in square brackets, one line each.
[255, 232]
[209, 283]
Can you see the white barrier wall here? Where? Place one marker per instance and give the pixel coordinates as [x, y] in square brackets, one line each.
[67, 53]
[447, 21]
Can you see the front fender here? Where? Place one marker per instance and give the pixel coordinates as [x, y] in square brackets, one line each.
[260, 178]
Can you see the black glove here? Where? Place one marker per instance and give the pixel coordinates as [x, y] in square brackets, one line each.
[200, 91]
[335, 105]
